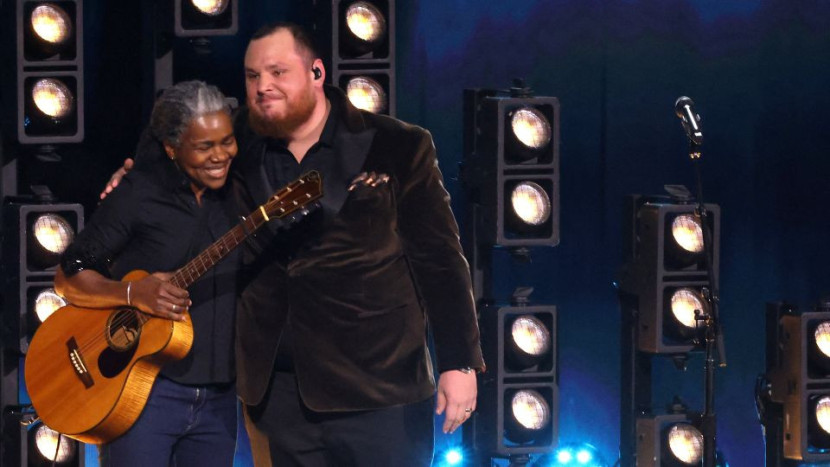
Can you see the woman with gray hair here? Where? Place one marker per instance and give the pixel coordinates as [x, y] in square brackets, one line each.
[168, 209]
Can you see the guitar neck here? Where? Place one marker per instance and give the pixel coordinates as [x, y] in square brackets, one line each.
[195, 268]
[295, 196]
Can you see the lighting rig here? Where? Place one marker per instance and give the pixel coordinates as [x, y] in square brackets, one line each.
[511, 176]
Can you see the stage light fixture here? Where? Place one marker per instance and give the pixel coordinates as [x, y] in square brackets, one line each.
[53, 98]
[518, 396]
[51, 23]
[366, 93]
[686, 306]
[688, 233]
[47, 301]
[363, 52]
[529, 134]
[664, 278]
[822, 339]
[201, 18]
[33, 444]
[530, 335]
[363, 30]
[528, 343]
[211, 7]
[669, 440]
[511, 166]
[799, 375]
[35, 237]
[365, 22]
[50, 79]
[529, 410]
[51, 446]
[685, 443]
[49, 32]
[530, 204]
[52, 234]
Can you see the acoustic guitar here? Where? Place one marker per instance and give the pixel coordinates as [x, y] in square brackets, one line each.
[89, 371]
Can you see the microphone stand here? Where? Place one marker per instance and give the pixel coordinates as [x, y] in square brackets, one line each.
[711, 321]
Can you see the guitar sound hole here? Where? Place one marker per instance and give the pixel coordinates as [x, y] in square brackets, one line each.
[123, 329]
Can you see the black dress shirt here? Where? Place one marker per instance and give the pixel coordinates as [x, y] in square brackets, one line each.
[281, 168]
[153, 222]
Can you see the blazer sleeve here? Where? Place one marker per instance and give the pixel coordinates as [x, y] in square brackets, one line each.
[432, 246]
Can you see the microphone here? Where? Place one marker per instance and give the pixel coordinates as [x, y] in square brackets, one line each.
[684, 108]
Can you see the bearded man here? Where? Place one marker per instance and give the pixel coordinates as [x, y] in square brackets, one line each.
[333, 364]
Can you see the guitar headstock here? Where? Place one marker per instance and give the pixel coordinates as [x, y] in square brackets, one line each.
[295, 196]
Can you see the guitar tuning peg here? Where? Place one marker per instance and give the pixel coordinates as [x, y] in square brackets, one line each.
[304, 211]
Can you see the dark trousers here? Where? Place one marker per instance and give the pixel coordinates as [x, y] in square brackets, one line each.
[284, 432]
[180, 426]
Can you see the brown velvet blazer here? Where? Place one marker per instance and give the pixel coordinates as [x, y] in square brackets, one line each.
[361, 292]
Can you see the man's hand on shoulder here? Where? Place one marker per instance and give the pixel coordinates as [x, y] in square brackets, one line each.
[116, 177]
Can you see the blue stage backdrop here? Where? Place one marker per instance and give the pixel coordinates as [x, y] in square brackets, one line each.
[758, 71]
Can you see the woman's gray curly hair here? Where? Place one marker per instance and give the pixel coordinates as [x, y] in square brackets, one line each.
[179, 105]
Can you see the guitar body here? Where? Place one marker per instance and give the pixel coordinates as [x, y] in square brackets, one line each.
[89, 371]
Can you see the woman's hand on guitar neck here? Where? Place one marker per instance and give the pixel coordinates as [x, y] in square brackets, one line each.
[156, 296]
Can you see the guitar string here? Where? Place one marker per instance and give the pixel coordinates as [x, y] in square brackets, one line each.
[257, 218]
[130, 314]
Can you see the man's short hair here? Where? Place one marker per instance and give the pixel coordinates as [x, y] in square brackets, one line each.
[302, 39]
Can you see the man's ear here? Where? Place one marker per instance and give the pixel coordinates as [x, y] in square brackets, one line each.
[319, 70]
[171, 151]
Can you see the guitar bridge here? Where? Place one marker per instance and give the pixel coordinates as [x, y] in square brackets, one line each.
[78, 364]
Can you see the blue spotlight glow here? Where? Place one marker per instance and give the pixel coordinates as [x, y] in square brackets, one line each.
[564, 456]
[453, 457]
[584, 456]
[574, 455]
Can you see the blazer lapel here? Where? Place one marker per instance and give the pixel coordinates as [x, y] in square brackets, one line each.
[352, 150]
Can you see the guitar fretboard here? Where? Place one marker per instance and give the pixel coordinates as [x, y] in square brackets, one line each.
[289, 199]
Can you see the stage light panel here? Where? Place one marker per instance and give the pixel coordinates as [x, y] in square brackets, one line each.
[512, 158]
[669, 440]
[800, 383]
[666, 278]
[517, 409]
[35, 237]
[50, 74]
[362, 51]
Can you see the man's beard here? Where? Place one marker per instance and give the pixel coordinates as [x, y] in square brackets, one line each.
[298, 112]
